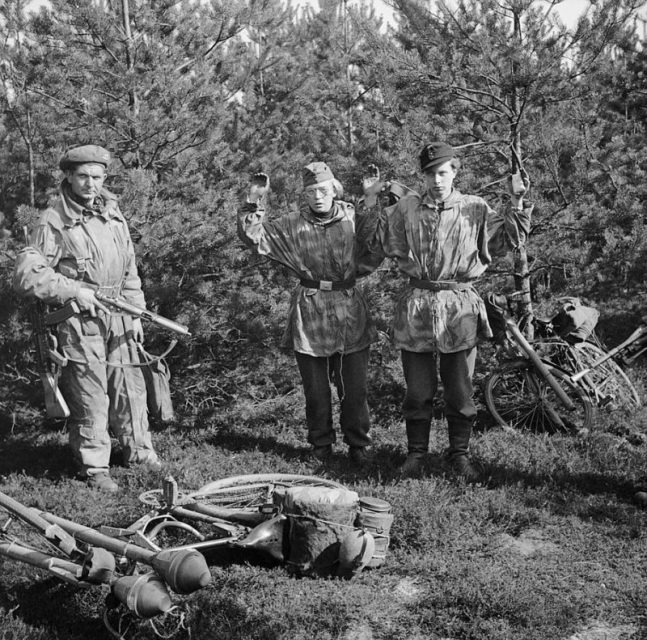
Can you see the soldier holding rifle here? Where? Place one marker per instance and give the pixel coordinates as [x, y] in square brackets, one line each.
[79, 251]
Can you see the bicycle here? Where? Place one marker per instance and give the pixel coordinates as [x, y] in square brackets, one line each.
[552, 385]
[256, 512]
[239, 511]
[137, 567]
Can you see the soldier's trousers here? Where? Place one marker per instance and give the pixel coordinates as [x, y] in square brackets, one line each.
[348, 373]
[420, 373]
[103, 399]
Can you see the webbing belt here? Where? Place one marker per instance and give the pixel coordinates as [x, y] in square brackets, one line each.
[439, 285]
[328, 285]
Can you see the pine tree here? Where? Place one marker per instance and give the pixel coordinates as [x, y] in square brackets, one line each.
[500, 80]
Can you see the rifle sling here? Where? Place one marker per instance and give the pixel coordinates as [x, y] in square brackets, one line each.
[126, 365]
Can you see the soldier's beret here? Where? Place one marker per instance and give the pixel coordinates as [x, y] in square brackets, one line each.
[316, 172]
[434, 154]
[83, 154]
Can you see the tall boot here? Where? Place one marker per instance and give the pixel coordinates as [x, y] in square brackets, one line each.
[459, 439]
[417, 447]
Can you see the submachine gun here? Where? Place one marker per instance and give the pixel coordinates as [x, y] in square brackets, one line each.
[50, 361]
[140, 312]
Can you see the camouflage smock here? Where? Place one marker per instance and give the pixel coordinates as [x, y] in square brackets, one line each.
[71, 244]
[448, 242]
[320, 323]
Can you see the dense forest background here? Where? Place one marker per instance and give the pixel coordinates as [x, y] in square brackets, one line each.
[192, 98]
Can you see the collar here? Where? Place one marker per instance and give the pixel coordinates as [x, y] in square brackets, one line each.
[75, 212]
[453, 198]
[338, 213]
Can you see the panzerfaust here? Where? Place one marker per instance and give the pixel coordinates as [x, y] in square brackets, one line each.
[83, 556]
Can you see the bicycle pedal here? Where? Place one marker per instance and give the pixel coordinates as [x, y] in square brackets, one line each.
[608, 402]
[268, 508]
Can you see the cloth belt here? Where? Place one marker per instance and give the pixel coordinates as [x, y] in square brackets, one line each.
[439, 285]
[328, 285]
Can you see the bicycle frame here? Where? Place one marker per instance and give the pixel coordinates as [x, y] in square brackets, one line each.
[538, 363]
[636, 335]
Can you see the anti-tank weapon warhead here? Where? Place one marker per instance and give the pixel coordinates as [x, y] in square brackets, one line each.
[184, 570]
[145, 594]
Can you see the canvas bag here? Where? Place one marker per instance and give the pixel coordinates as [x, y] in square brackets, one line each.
[319, 519]
[157, 376]
[574, 321]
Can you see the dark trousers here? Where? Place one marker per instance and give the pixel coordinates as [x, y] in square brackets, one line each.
[348, 373]
[420, 373]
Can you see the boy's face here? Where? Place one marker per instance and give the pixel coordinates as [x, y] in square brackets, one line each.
[440, 180]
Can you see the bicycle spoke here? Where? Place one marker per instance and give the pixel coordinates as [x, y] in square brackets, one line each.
[607, 382]
[517, 396]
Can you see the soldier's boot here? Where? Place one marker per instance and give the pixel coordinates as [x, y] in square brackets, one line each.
[459, 439]
[103, 482]
[417, 447]
[322, 453]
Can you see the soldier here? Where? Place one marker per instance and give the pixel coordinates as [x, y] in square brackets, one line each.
[329, 328]
[80, 245]
[442, 242]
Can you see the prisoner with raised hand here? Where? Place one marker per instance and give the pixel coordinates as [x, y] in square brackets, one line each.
[328, 327]
[442, 242]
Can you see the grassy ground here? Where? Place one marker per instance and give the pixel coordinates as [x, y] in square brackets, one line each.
[548, 546]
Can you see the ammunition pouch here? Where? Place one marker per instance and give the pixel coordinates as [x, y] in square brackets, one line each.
[61, 314]
[158, 391]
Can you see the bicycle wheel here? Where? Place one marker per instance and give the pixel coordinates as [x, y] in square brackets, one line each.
[242, 493]
[607, 383]
[518, 397]
[255, 490]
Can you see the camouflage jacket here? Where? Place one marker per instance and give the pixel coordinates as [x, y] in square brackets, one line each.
[320, 323]
[447, 242]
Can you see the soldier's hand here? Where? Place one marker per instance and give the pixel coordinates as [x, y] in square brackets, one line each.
[88, 302]
[258, 187]
[518, 185]
[371, 185]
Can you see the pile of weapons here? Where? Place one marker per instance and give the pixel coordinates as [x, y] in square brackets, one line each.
[84, 556]
[91, 559]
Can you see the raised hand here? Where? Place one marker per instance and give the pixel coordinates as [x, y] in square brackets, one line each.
[258, 187]
[371, 185]
[518, 185]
